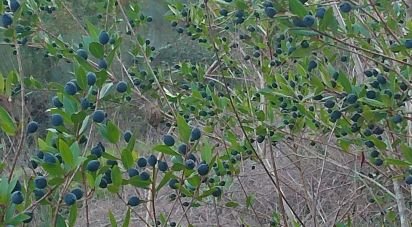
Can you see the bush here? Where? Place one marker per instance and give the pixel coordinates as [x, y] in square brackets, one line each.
[280, 79]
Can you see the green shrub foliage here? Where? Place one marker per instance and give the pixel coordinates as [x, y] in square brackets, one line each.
[280, 72]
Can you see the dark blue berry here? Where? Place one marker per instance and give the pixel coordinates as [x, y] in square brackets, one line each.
[93, 165]
[217, 192]
[49, 158]
[374, 154]
[195, 134]
[173, 183]
[103, 183]
[309, 20]
[312, 65]
[270, 11]
[408, 179]
[56, 102]
[132, 172]
[82, 53]
[190, 164]
[133, 201]
[345, 7]
[102, 64]
[97, 151]
[98, 116]
[40, 182]
[162, 166]
[32, 127]
[104, 37]
[14, 5]
[351, 98]
[141, 162]
[182, 149]
[329, 103]
[84, 102]
[69, 199]
[7, 20]
[144, 176]
[152, 160]
[371, 94]
[121, 87]
[168, 140]
[70, 88]
[127, 136]
[56, 120]
[17, 197]
[378, 162]
[203, 169]
[320, 12]
[78, 193]
[91, 78]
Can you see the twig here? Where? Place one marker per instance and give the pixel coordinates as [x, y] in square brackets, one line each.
[275, 172]
[22, 93]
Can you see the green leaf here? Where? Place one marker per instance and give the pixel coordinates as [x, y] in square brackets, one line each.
[303, 32]
[43, 146]
[72, 216]
[194, 180]
[107, 155]
[112, 219]
[96, 49]
[206, 152]
[232, 204]
[10, 81]
[127, 158]
[18, 219]
[132, 142]
[184, 129]
[406, 152]
[126, 218]
[56, 181]
[75, 150]
[70, 104]
[395, 162]
[136, 181]
[111, 132]
[328, 21]
[92, 29]
[105, 90]
[372, 102]
[344, 144]
[297, 8]
[4, 192]
[84, 124]
[344, 81]
[164, 180]
[113, 52]
[6, 122]
[81, 78]
[260, 115]
[116, 176]
[53, 169]
[166, 150]
[84, 63]
[60, 221]
[249, 201]
[1, 82]
[66, 153]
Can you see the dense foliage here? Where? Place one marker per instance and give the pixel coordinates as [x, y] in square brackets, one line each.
[310, 76]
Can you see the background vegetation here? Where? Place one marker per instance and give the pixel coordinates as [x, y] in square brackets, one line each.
[205, 113]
